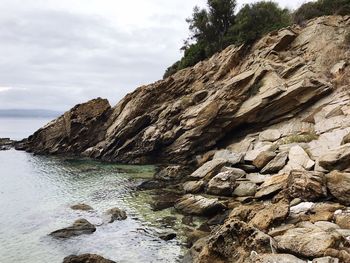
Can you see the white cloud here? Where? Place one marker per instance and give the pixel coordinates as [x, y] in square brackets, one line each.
[56, 53]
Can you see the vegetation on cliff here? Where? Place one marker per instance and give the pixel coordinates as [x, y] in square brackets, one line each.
[218, 26]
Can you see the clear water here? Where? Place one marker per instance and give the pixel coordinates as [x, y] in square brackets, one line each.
[36, 193]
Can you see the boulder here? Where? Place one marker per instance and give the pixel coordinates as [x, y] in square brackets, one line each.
[223, 183]
[270, 135]
[338, 184]
[80, 227]
[115, 214]
[171, 173]
[230, 156]
[326, 260]
[245, 188]
[263, 158]
[298, 159]
[342, 218]
[308, 186]
[272, 185]
[337, 159]
[276, 164]
[233, 242]
[193, 187]
[198, 205]
[275, 258]
[86, 258]
[208, 170]
[257, 178]
[307, 242]
[82, 207]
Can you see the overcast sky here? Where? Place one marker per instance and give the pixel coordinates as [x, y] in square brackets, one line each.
[56, 53]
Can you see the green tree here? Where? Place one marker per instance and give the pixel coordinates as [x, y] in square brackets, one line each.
[255, 20]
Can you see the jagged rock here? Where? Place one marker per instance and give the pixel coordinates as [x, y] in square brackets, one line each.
[224, 182]
[232, 242]
[86, 258]
[272, 185]
[231, 157]
[276, 164]
[193, 187]
[208, 170]
[171, 173]
[263, 158]
[245, 189]
[199, 205]
[257, 178]
[75, 131]
[83, 207]
[251, 155]
[6, 144]
[269, 215]
[116, 214]
[308, 186]
[325, 260]
[338, 68]
[337, 159]
[80, 227]
[270, 135]
[339, 185]
[298, 159]
[307, 242]
[167, 236]
[346, 139]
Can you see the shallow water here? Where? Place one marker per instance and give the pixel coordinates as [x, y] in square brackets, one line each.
[36, 193]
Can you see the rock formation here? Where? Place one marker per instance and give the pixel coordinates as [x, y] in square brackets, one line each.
[263, 133]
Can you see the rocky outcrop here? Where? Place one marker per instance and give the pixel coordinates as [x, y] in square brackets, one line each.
[255, 137]
[6, 144]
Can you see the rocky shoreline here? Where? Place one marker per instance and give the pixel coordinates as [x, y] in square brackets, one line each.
[255, 141]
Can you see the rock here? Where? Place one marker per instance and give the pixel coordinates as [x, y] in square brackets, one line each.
[245, 189]
[325, 260]
[308, 186]
[167, 236]
[171, 173]
[6, 144]
[280, 230]
[342, 218]
[86, 258]
[151, 185]
[276, 164]
[208, 170]
[301, 208]
[193, 187]
[346, 139]
[337, 159]
[257, 178]
[115, 214]
[339, 185]
[80, 227]
[306, 242]
[198, 205]
[251, 155]
[271, 214]
[338, 68]
[272, 185]
[285, 38]
[164, 199]
[223, 183]
[263, 158]
[233, 242]
[270, 135]
[298, 159]
[275, 258]
[83, 207]
[231, 157]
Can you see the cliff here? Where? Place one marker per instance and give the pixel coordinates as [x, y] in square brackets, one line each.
[268, 128]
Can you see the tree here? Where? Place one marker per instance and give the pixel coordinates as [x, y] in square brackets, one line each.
[255, 20]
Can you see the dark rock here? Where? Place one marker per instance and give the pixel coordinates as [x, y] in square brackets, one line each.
[116, 214]
[80, 227]
[86, 258]
[151, 184]
[83, 207]
[167, 236]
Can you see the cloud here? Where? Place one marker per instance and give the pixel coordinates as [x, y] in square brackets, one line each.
[55, 54]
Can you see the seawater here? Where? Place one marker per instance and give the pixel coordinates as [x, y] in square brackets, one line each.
[36, 193]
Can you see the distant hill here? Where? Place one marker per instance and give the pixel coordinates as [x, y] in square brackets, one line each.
[29, 113]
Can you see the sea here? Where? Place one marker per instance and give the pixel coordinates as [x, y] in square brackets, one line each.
[36, 193]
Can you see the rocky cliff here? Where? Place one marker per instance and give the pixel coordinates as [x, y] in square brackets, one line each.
[266, 127]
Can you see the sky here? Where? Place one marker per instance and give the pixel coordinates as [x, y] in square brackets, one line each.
[57, 53]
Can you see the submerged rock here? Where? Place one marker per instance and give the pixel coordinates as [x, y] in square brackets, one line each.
[83, 207]
[86, 258]
[80, 227]
[116, 214]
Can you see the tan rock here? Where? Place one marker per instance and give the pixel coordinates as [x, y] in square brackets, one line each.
[223, 183]
[277, 164]
[339, 185]
[270, 135]
[198, 205]
[193, 187]
[298, 159]
[263, 158]
[272, 185]
[208, 170]
[342, 219]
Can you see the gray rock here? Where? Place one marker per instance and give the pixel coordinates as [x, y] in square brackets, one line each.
[263, 158]
[272, 185]
[115, 214]
[276, 164]
[193, 187]
[270, 135]
[208, 170]
[198, 205]
[337, 159]
[224, 182]
[86, 258]
[231, 157]
[245, 189]
[257, 178]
